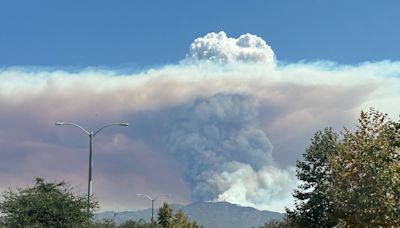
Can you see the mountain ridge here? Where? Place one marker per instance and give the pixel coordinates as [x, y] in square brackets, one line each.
[210, 215]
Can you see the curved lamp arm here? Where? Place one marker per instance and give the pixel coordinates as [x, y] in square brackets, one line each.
[164, 195]
[145, 195]
[148, 197]
[109, 125]
[72, 124]
[86, 131]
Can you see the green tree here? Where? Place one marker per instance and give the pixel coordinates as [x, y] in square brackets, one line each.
[165, 215]
[352, 182]
[277, 224]
[46, 204]
[366, 173]
[1, 222]
[313, 205]
[110, 223]
[138, 224]
[105, 223]
[181, 220]
[167, 219]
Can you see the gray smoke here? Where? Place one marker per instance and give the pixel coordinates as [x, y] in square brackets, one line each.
[225, 154]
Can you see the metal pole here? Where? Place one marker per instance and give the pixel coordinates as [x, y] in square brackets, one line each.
[152, 203]
[152, 211]
[90, 171]
[91, 137]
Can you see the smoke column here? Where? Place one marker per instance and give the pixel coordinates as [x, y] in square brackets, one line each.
[225, 155]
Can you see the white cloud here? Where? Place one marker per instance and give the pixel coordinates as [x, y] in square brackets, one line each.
[218, 47]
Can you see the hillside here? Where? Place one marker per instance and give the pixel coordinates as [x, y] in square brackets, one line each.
[211, 215]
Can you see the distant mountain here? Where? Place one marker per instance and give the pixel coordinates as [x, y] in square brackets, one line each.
[210, 215]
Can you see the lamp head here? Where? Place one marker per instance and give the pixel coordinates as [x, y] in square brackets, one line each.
[124, 124]
[59, 123]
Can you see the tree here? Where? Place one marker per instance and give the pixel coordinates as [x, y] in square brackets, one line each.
[165, 215]
[277, 224]
[46, 204]
[135, 224]
[352, 182]
[105, 223]
[110, 223]
[313, 206]
[366, 173]
[179, 220]
[138, 224]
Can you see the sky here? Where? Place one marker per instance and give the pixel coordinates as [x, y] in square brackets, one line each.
[222, 97]
[150, 33]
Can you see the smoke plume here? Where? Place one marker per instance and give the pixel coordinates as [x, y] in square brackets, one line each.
[225, 154]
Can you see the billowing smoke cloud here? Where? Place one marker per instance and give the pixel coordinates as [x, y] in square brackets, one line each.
[226, 154]
[213, 124]
[218, 47]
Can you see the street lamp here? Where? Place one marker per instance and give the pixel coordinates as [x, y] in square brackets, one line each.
[152, 203]
[91, 137]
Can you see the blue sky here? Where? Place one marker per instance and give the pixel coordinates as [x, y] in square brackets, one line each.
[148, 33]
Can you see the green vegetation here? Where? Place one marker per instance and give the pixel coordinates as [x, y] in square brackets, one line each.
[46, 204]
[352, 182]
[51, 204]
[277, 224]
[110, 223]
[314, 207]
[166, 219]
[165, 215]
[179, 220]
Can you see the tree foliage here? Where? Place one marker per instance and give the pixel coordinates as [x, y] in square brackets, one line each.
[167, 219]
[52, 204]
[277, 224]
[165, 215]
[138, 224]
[110, 223]
[313, 207]
[46, 204]
[181, 220]
[352, 182]
[366, 173]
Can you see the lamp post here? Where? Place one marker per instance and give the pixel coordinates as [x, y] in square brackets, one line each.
[152, 203]
[91, 137]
